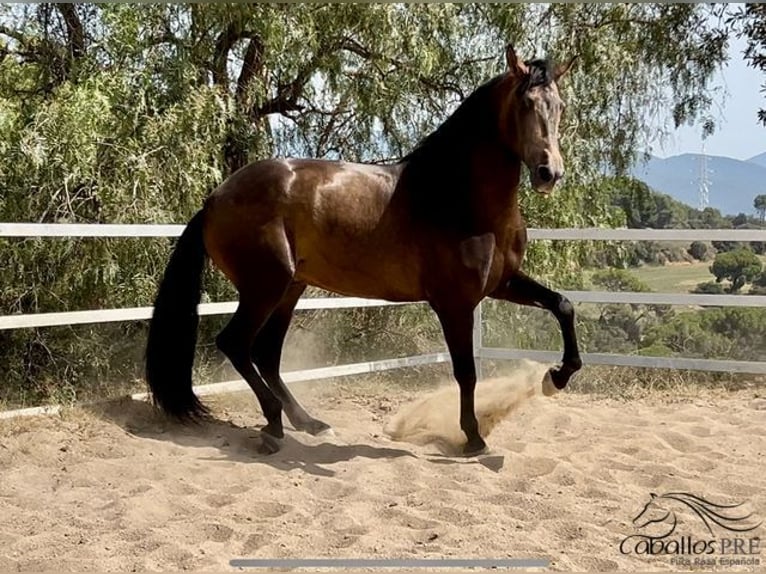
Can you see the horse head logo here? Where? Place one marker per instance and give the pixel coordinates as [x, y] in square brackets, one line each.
[660, 515]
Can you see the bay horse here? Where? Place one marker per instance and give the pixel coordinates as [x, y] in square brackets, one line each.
[442, 226]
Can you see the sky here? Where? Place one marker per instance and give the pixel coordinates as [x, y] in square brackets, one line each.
[738, 134]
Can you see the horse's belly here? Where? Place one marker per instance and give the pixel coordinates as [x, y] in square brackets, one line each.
[358, 271]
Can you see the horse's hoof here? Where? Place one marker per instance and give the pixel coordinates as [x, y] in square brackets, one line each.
[269, 444]
[314, 427]
[556, 380]
[475, 448]
[549, 389]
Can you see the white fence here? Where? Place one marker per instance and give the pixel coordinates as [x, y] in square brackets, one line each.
[140, 313]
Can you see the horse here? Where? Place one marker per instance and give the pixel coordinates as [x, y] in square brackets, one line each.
[442, 225]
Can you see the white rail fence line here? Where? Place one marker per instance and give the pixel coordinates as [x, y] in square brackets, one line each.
[142, 313]
[315, 303]
[288, 377]
[173, 230]
[564, 234]
[643, 361]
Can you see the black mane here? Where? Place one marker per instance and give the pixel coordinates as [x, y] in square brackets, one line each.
[473, 118]
[437, 170]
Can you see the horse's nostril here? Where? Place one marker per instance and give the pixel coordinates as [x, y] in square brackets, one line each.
[545, 174]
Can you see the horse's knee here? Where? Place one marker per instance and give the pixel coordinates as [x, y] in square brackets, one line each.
[565, 308]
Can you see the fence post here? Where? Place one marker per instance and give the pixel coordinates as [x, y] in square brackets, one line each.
[477, 342]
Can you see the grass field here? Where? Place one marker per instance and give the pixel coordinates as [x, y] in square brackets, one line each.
[674, 278]
[679, 277]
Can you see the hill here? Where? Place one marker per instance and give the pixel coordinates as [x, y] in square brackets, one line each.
[759, 159]
[733, 184]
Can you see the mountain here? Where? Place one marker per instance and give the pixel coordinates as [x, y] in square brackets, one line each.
[760, 159]
[732, 183]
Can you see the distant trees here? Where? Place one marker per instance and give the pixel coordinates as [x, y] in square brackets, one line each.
[709, 288]
[760, 206]
[739, 267]
[644, 207]
[759, 285]
[700, 250]
[618, 280]
[739, 219]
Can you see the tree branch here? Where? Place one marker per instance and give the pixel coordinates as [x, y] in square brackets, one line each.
[75, 31]
[251, 67]
[230, 36]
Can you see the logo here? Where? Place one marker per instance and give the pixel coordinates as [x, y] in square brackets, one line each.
[692, 530]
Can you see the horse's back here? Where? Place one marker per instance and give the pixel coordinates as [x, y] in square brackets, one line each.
[334, 223]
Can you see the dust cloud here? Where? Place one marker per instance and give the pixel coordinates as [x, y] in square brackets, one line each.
[434, 419]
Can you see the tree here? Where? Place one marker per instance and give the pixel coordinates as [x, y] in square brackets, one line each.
[739, 267]
[759, 285]
[619, 280]
[760, 206]
[699, 250]
[751, 21]
[117, 113]
[739, 219]
[709, 288]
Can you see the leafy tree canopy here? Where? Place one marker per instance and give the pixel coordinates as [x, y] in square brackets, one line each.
[751, 23]
[119, 113]
[739, 266]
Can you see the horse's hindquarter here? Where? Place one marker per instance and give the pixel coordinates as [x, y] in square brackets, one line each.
[348, 236]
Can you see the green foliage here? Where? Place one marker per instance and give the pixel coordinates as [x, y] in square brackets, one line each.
[759, 203]
[646, 208]
[759, 285]
[734, 333]
[739, 267]
[116, 113]
[618, 280]
[751, 23]
[700, 250]
[709, 288]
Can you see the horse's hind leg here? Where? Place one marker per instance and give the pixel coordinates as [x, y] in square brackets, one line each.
[267, 353]
[257, 302]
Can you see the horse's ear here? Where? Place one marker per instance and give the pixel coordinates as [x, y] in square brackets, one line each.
[562, 69]
[515, 65]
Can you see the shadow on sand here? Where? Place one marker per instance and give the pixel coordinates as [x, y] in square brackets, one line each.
[245, 444]
[234, 442]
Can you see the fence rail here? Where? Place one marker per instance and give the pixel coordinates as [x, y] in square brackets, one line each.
[34, 320]
[564, 233]
[20, 321]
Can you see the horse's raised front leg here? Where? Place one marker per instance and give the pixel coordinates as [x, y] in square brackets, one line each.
[458, 333]
[523, 290]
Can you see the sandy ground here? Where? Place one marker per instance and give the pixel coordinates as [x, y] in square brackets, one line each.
[118, 488]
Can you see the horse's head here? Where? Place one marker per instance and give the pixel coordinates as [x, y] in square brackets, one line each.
[530, 114]
[652, 512]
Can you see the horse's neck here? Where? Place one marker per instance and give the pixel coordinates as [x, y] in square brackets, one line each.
[496, 176]
[475, 189]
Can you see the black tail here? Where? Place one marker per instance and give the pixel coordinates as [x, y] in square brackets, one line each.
[173, 328]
